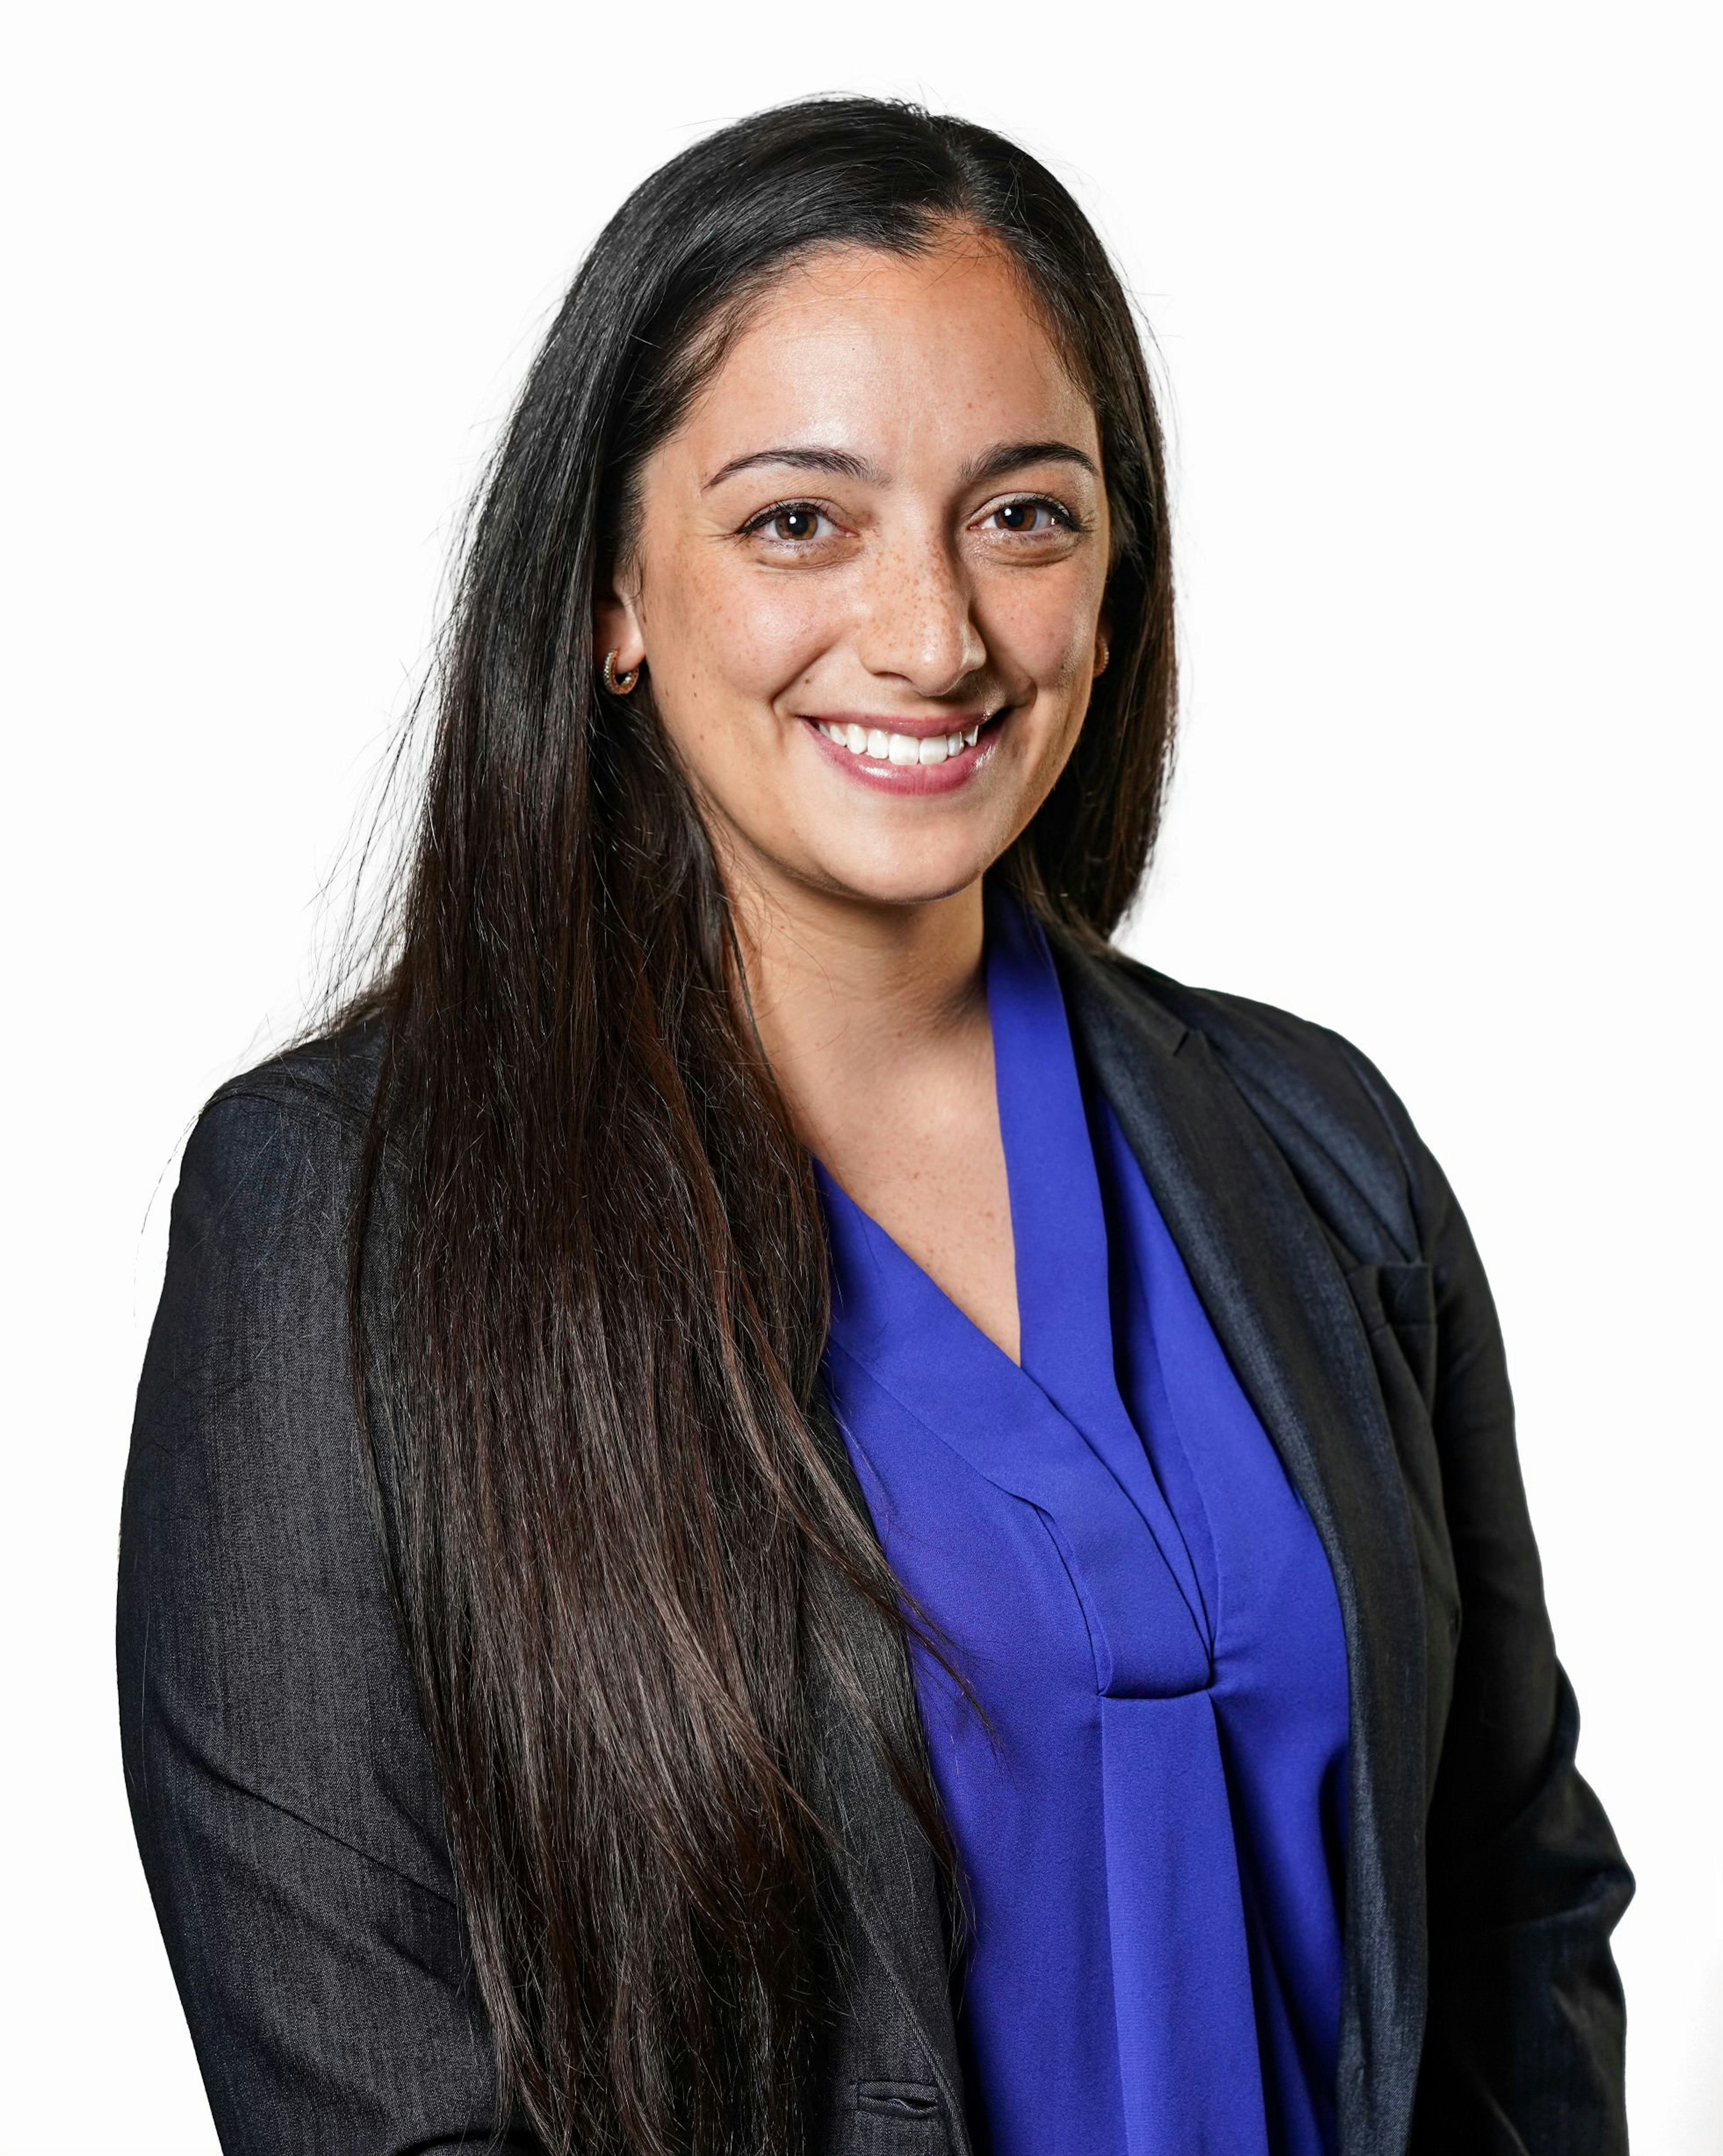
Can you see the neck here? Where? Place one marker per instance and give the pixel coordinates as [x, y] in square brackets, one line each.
[856, 1002]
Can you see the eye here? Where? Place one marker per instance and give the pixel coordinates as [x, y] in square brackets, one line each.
[1030, 517]
[790, 523]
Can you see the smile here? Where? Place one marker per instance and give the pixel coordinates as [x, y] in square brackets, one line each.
[915, 756]
[898, 749]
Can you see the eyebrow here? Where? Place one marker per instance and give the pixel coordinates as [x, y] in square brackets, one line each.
[994, 462]
[1012, 456]
[838, 462]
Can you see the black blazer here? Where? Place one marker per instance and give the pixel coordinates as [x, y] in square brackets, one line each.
[282, 1793]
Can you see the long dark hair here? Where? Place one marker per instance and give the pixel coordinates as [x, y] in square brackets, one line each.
[619, 1535]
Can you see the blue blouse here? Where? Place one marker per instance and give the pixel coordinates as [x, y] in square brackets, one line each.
[1151, 1818]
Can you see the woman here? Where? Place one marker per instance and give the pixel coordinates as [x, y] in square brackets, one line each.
[777, 1503]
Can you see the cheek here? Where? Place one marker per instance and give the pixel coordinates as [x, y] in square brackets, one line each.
[1042, 624]
[742, 632]
[722, 651]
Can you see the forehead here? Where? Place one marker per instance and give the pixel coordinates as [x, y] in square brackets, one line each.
[874, 352]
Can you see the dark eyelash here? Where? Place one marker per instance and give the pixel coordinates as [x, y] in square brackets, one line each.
[1067, 515]
[1063, 511]
[781, 509]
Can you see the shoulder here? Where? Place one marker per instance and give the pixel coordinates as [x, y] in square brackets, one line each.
[330, 1079]
[1342, 1129]
[260, 1230]
[298, 1120]
[1316, 1073]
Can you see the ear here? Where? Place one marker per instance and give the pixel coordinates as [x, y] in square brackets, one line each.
[616, 627]
[1103, 642]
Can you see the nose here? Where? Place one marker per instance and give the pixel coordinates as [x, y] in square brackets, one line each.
[920, 626]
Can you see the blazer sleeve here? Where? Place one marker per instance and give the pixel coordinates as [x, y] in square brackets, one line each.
[1524, 2048]
[281, 1787]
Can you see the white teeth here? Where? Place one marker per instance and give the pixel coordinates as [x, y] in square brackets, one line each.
[897, 748]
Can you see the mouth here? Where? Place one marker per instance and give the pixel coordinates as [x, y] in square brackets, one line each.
[912, 755]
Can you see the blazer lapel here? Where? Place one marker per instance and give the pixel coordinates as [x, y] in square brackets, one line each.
[1278, 1300]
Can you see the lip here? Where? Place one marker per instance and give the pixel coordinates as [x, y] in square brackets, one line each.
[910, 778]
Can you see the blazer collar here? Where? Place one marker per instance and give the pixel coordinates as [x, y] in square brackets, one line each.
[1278, 1300]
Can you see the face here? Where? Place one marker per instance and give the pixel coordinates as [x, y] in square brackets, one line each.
[867, 581]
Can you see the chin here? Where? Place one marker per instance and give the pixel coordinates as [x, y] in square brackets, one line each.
[907, 875]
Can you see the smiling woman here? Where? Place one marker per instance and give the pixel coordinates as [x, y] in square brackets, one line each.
[777, 1504]
[892, 611]
[872, 685]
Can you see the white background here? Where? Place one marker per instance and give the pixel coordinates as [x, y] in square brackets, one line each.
[1434, 289]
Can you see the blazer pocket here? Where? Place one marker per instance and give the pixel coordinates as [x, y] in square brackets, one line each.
[1400, 1301]
[899, 2119]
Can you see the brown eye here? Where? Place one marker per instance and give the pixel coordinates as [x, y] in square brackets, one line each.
[1032, 519]
[790, 531]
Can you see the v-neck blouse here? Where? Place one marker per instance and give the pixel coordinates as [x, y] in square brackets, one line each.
[1149, 1807]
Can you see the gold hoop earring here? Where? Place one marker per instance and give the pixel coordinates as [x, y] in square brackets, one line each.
[619, 685]
[1105, 654]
